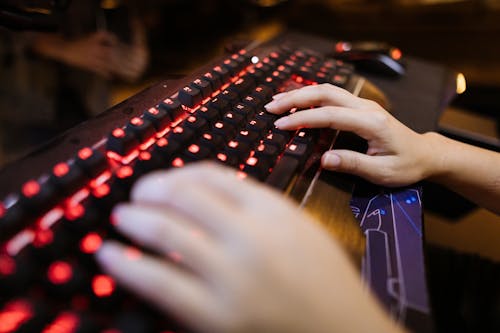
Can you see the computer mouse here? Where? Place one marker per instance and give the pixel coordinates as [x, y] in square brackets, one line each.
[371, 57]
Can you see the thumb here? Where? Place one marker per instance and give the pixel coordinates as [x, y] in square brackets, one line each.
[352, 162]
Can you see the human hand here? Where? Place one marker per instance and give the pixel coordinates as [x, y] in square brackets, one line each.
[131, 60]
[396, 155]
[241, 258]
[94, 53]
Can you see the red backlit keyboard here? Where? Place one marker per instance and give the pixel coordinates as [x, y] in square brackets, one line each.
[54, 214]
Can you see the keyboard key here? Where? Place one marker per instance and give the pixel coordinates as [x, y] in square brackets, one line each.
[204, 86]
[173, 108]
[121, 142]
[283, 173]
[92, 162]
[158, 117]
[190, 96]
[257, 167]
[142, 129]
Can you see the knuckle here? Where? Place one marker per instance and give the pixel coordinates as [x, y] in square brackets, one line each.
[381, 119]
[324, 89]
[371, 104]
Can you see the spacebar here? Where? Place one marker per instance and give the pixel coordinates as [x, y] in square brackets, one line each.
[283, 172]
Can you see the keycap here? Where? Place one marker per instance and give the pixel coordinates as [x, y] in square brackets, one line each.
[91, 162]
[121, 142]
[158, 117]
[173, 108]
[190, 96]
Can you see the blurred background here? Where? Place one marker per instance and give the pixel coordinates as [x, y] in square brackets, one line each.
[98, 53]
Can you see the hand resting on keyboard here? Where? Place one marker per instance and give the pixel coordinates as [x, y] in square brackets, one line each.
[235, 256]
[396, 155]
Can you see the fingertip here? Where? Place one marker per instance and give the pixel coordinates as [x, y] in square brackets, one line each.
[109, 254]
[331, 160]
[271, 106]
[282, 123]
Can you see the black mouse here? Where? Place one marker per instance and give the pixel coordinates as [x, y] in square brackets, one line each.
[371, 57]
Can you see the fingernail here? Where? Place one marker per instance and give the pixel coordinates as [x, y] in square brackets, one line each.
[270, 105]
[331, 160]
[282, 122]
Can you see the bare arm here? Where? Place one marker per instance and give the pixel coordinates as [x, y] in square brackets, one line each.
[468, 170]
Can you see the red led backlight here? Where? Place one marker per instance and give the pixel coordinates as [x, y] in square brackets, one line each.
[7, 265]
[101, 191]
[233, 144]
[103, 285]
[162, 142]
[43, 237]
[153, 111]
[2, 210]
[222, 157]
[66, 322]
[206, 136]
[136, 121]
[124, 172]
[194, 149]
[168, 101]
[74, 212]
[13, 315]
[252, 161]
[145, 156]
[118, 133]
[178, 163]
[59, 272]
[85, 153]
[90, 243]
[31, 188]
[60, 169]
[178, 130]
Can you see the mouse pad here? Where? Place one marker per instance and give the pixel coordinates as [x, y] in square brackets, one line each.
[393, 264]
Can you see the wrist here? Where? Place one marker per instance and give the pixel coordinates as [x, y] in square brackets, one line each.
[438, 151]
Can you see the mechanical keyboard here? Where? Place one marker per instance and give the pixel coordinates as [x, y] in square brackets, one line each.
[55, 203]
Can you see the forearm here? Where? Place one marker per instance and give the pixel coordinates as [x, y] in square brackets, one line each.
[468, 170]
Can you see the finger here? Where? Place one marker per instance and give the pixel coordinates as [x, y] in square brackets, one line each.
[189, 195]
[168, 233]
[223, 180]
[314, 95]
[358, 121]
[171, 289]
[366, 166]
